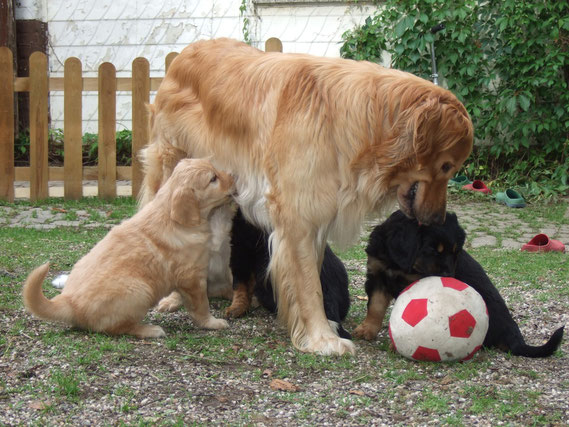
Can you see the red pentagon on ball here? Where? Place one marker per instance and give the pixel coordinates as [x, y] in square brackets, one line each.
[427, 354]
[415, 311]
[451, 282]
[461, 324]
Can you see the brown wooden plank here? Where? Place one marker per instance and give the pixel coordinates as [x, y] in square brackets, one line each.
[73, 130]
[90, 84]
[107, 131]
[7, 172]
[57, 173]
[38, 126]
[273, 45]
[140, 99]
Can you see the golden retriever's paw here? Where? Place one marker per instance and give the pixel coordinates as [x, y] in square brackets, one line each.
[214, 323]
[366, 331]
[149, 331]
[170, 303]
[329, 346]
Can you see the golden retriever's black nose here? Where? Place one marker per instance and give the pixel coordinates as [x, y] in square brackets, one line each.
[435, 218]
[438, 218]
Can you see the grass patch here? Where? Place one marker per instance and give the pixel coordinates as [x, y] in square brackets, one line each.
[164, 382]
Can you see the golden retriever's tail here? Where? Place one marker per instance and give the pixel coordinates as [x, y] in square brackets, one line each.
[57, 308]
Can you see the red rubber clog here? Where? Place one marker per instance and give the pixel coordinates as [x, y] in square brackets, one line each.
[542, 243]
[477, 185]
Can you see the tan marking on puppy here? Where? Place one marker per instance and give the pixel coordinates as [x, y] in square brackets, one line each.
[377, 306]
[241, 299]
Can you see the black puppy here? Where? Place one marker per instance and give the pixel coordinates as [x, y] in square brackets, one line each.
[249, 262]
[401, 251]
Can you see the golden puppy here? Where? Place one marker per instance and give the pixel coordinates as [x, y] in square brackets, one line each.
[317, 144]
[164, 247]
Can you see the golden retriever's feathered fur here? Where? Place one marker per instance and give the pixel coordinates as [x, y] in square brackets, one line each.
[315, 144]
[164, 247]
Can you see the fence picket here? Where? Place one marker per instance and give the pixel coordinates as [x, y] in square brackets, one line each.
[39, 89]
[140, 99]
[107, 131]
[7, 170]
[72, 130]
[169, 58]
[273, 45]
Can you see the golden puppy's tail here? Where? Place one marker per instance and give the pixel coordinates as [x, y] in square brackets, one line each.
[57, 308]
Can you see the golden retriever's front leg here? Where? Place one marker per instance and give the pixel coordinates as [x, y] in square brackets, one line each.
[194, 296]
[294, 267]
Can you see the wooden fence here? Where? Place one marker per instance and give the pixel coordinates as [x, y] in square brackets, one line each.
[39, 84]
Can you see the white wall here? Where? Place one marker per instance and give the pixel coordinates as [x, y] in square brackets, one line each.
[118, 31]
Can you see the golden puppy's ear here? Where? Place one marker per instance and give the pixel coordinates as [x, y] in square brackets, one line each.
[184, 209]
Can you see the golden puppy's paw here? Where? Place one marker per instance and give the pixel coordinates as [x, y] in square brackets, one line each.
[148, 331]
[366, 331]
[170, 303]
[214, 323]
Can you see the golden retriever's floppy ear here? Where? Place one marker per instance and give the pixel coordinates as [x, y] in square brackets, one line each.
[438, 124]
[184, 209]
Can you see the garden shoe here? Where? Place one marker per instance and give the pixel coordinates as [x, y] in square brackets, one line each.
[479, 186]
[542, 243]
[459, 181]
[511, 198]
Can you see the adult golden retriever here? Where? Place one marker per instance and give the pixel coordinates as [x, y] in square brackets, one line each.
[164, 247]
[315, 144]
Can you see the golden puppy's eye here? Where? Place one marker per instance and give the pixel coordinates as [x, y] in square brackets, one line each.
[446, 167]
[213, 179]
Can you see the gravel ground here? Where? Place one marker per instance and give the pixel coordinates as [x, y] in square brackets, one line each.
[250, 374]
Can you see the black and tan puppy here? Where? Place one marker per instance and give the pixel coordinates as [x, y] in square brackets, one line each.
[401, 251]
[249, 265]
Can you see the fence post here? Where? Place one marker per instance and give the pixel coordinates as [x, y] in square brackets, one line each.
[72, 130]
[273, 45]
[39, 91]
[169, 58]
[140, 98]
[7, 170]
[107, 183]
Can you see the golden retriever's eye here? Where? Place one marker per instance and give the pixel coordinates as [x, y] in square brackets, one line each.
[446, 167]
[213, 179]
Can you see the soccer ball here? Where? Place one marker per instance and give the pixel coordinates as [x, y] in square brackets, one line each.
[438, 319]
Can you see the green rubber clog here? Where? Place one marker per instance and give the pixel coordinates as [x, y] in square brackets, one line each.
[459, 181]
[511, 198]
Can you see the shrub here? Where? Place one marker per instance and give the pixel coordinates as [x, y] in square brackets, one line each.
[90, 142]
[507, 61]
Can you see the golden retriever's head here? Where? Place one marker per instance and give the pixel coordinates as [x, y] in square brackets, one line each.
[435, 137]
[196, 188]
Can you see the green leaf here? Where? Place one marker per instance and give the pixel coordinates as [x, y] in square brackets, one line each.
[524, 102]
[511, 105]
[401, 27]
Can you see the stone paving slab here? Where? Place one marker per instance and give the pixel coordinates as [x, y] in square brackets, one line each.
[487, 225]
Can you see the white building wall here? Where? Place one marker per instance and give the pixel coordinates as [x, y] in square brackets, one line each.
[118, 31]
